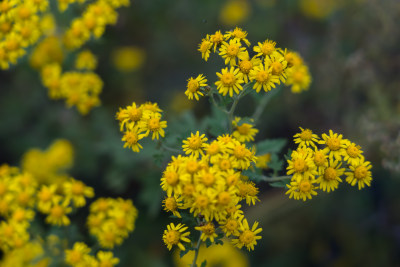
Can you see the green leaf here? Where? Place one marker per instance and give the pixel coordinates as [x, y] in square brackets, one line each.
[280, 184]
[254, 176]
[208, 243]
[270, 146]
[217, 122]
[204, 263]
[275, 163]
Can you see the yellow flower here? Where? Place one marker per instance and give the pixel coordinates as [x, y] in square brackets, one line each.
[238, 35]
[263, 78]
[320, 160]
[246, 65]
[330, 177]
[172, 204]
[76, 255]
[230, 81]
[234, 12]
[305, 138]
[353, 153]
[106, 259]
[334, 145]
[266, 49]
[207, 231]
[232, 51]
[195, 144]
[231, 226]
[86, 61]
[216, 39]
[248, 237]
[175, 235]
[77, 191]
[360, 174]
[152, 123]
[277, 65]
[131, 139]
[299, 78]
[301, 164]
[108, 235]
[128, 58]
[205, 47]
[194, 85]
[243, 132]
[262, 161]
[301, 190]
[57, 214]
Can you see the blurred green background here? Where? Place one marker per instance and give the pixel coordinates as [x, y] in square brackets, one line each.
[352, 49]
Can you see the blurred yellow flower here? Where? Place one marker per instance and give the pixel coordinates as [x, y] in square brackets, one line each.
[223, 256]
[128, 58]
[234, 12]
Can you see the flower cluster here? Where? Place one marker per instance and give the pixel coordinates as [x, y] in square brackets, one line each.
[137, 122]
[268, 67]
[49, 166]
[24, 22]
[316, 167]
[208, 183]
[243, 131]
[93, 21]
[77, 88]
[111, 220]
[79, 256]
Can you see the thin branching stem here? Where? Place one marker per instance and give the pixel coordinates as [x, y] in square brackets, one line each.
[196, 251]
[263, 103]
[276, 179]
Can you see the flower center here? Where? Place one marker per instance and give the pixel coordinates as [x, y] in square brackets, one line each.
[224, 198]
[135, 114]
[306, 135]
[202, 201]
[171, 178]
[319, 158]
[353, 151]
[262, 76]
[192, 166]
[193, 85]
[213, 149]
[204, 46]
[232, 179]
[231, 225]
[238, 34]
[75, 257]
[154, 124]
[299, 165]
[245, 66]
[3, 189]
[208, 229]
[298, 76]
[5, 27]
[208, 179]
[239, 152]
[224, 164]
[188, 190]
[24, 12]
[131, 138]
[247, 237]
[195, 142]
[173, 237]
[121, 222]
[267, 48]
[330, 173]
[277, 68]
[228, 79]
[244, 129]
[77, 188]
[57, 211]
[305, 186]
[217, 38]
[170, 204]
[251, 190]
[12, 45]
[23, 198]
[232, 50]
[333, 143]
[360, 172]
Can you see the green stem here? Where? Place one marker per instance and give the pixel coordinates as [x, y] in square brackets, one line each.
[233, 107]
[211, 95]
[196, 251]
[275, 179]
[263, 103]
[170, 149]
